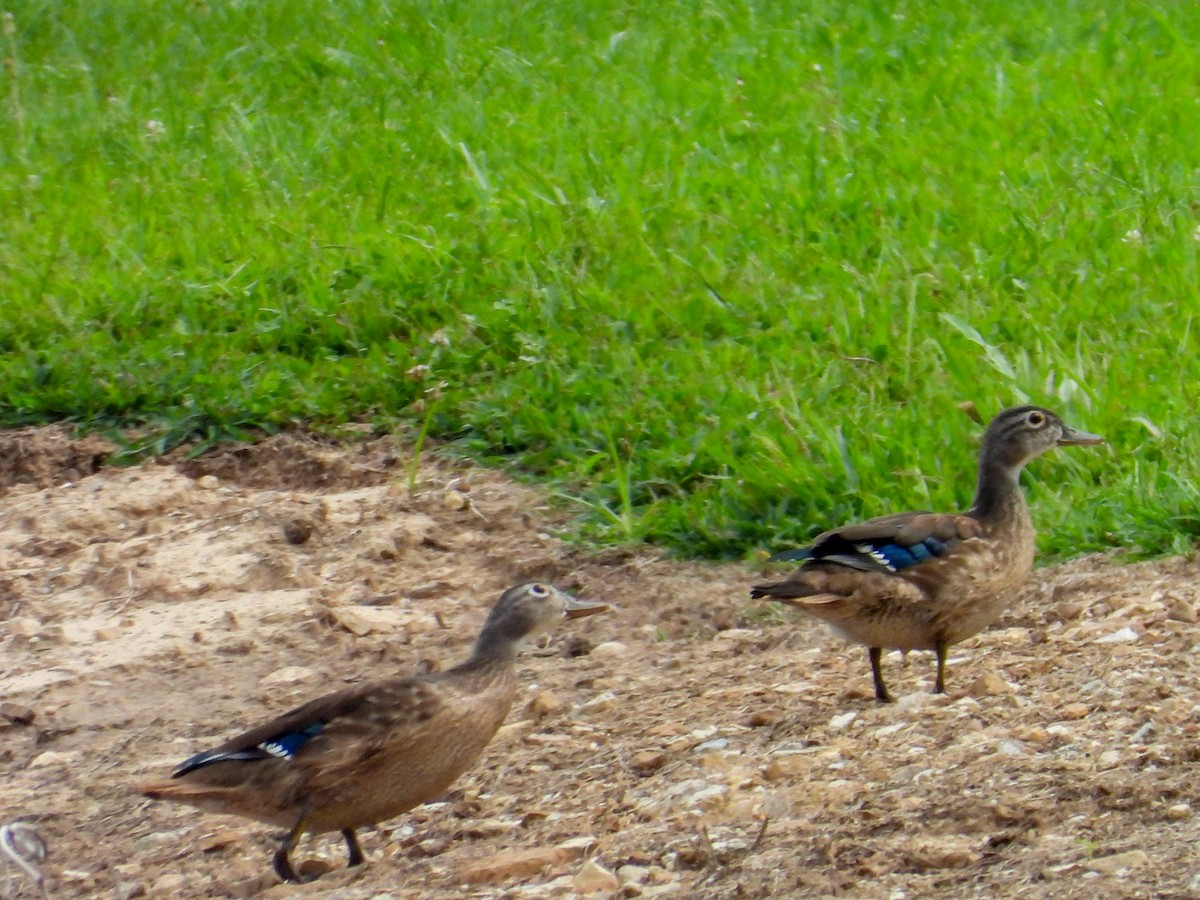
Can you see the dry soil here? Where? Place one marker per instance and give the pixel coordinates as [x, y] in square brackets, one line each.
[692, 743]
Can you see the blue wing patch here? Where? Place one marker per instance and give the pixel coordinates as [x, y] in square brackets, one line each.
[886, 544]
[895, 557]
[281, 746]
[285, 746]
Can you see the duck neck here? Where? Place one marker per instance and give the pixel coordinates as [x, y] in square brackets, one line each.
[494, 647]
[998, 493]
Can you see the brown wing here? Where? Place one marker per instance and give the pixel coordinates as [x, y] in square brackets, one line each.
[353, 714]
[895, 545]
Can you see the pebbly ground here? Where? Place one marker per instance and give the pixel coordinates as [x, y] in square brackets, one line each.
[692, 743]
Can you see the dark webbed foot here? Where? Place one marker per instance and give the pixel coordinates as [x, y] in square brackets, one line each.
[283, 866]
[282, 861]
[881, 692]
[352, 848]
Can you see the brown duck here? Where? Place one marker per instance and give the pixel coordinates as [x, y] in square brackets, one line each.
[369, 753]
[925, 581]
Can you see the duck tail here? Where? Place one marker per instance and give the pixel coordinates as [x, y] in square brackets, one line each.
[782, 591]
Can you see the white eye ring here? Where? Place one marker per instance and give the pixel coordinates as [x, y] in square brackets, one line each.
[538, 591]
[1036, 419]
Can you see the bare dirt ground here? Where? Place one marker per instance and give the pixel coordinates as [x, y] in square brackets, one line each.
[691, 744]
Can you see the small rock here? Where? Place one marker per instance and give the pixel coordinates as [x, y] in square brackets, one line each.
[660, 890]
[574, 848]
[128, 890]
[601, 702]
[485, 828]
[25, 626]
[948, 852]
[610, 648]
[75, 883]
[455, 500]
[297, 531]
[313, 868]
[1142, 733]
[209, 482]
[108, 633]
[364, 620]
[546, 703]
[787, 767]
[710, 796]
[252, 886]
[572, 646]
[1179, 812]
[415, 531]
[157, 838]
[53, 758]
[837, 723]
[1125, 636]
[987, 685]
[55, 634]
[1109, 758]
[290, 675]
[633, 875]
[1111, 865]
[381, 548]
[646, 761]
[430, 847]
[1179, 610]
[763, 717]
[917, 700]
[15, 712]
[511, 864]
[170, 885]
[428, 589]
[593, 877]
[1074, 711]
[1011, 748]
[1070, 609]
[222, 840]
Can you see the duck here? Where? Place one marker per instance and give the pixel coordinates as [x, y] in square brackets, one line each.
[925, 580]
[370, 752]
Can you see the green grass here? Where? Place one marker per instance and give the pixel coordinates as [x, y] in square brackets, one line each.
[720, 271]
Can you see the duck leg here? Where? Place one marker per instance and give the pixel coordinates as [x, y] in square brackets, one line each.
[352, 847]
[282, 861]
[939, 686]
[881, 691]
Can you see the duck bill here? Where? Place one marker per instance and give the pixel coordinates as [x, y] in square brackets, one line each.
[1073, 438]
[577, 609]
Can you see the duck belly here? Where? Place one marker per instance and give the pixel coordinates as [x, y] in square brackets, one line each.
[394, 782]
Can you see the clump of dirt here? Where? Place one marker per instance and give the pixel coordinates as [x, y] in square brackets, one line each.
[691, 743]
[295, 461]
[47, 457]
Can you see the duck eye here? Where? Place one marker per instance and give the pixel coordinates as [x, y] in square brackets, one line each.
[538, 591]
[1036, 419]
